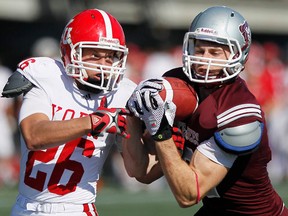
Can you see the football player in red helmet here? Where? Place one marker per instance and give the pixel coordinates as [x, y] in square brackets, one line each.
[66, 120]
[101, 33]
[224, 163]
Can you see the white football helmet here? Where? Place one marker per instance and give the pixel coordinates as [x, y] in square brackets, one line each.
[94, 29]
[222, 25]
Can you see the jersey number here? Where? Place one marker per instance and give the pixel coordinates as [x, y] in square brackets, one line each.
[63, 163]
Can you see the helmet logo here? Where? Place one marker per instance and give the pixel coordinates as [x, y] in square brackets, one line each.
[109, 40]
[66, 37]
[206, 31]
[246, 33]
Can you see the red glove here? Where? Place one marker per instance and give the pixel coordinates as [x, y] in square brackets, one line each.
[109, 120]
[178, 139]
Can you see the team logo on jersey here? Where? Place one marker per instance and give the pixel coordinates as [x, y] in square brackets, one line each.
[189, 134]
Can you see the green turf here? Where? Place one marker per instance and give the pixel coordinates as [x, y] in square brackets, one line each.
[7, 199]
[115, 201]
[111, 202]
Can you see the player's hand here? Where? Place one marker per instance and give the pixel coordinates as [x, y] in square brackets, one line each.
[158, 115]
[109, 120]
[178, 139]
[152, 85]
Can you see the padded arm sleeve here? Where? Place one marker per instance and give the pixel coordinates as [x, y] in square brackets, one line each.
[240, 139]
[16, 85]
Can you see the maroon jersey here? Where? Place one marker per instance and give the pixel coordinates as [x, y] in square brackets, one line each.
[246, 190]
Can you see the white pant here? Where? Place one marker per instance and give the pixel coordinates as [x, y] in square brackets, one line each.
[26, 207]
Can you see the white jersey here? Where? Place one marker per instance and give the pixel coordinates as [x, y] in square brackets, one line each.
[67, 173]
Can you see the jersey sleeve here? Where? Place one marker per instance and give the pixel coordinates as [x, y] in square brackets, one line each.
[41, 72]
[210, 149]
[35, 101]
[239, 118]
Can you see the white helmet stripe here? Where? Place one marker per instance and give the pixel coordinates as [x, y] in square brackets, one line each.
[107, 23]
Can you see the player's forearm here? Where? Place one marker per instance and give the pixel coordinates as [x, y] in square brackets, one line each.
[179, 175]
[134, 154]
[135, 167]
[45, 134]
[153, 174]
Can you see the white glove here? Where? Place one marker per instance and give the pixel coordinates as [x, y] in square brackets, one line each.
[134, 103]
[156, 112]
[147, 104]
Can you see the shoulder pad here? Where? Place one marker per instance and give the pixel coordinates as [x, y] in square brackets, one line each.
[16, 85]
[240, 139]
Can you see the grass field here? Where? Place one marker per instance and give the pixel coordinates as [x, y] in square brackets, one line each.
[114, 201]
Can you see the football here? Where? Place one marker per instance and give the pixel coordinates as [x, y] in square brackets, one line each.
[182, 94]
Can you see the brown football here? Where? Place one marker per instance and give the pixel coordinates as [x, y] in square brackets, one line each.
[182, 94]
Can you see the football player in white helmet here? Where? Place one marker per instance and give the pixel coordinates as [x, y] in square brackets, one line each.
[226, 149]
[66, 120]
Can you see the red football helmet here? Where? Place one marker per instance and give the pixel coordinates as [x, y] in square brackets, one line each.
[94, 29]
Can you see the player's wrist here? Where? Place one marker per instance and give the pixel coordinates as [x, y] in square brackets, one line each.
[164, 133]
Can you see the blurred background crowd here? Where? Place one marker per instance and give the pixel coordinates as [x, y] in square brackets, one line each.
[154, 33]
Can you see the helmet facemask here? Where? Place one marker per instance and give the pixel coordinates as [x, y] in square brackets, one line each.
[109, 76]
[223, 26]
[230, 67]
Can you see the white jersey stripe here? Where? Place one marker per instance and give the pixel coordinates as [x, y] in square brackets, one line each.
[238, 107]
[237, 117]
[243, 110]
[238, 112]
[107, 24]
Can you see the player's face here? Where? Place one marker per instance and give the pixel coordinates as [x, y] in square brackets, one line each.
[211, 50]
[100, 57]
